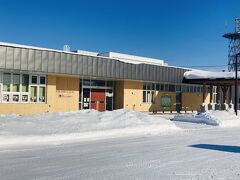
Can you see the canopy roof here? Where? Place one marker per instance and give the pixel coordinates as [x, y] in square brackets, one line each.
[210, 77]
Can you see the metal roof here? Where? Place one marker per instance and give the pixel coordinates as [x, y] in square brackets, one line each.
[49, 61]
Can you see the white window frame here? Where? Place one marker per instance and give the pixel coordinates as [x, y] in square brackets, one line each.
[20, 93]
[42, 85]
[5, 92]
[149, 98]
[15, 93]
[25, 93]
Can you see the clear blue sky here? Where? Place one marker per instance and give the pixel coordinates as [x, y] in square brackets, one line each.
[182, 32]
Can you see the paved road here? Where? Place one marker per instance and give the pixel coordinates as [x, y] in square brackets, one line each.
[205, 153]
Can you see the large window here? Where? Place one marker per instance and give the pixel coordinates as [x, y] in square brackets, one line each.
[148, 92]
[22, 88]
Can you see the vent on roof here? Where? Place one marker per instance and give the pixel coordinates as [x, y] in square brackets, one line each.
[66, 48]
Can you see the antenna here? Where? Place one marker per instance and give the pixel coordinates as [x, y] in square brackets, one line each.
[233, 46]
[66, 48]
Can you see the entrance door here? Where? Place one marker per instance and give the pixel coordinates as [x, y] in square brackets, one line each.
[98, 99]
[109, 100]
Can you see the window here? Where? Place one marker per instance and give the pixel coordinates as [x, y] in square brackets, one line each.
[178, 88]
[6, 82]
[42, 94]
[166, 87]
[38, 89]
[34, 80]
[33, 96]
[171, 87]
[15, 88]
[42, 80]
[16, 83]
[148, 92]
[25, 82]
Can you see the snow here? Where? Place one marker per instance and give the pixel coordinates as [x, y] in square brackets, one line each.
[200, 74]
[206, 153]
[141, 146]
[215, 118]
[82, 125]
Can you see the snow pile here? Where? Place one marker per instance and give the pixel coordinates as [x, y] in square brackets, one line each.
[214, 118]
[200, 74]
[80, 125]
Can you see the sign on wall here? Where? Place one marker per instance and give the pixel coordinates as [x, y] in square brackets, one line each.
[166, 101]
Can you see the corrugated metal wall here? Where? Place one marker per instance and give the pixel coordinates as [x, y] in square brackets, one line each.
[46, 61]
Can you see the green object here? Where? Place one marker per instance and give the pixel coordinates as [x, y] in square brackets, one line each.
[166, 101]
[33, 94]
[42, 94]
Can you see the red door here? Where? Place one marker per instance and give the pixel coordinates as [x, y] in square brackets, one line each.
[98, 99]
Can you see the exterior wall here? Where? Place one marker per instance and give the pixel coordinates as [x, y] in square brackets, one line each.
[62, 95]
[133, 98]
[67, 94]
[192, 101]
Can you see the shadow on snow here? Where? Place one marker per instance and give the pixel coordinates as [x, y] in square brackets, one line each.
[233, 149]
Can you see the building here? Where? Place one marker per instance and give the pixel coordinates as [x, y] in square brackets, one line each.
[38, 80]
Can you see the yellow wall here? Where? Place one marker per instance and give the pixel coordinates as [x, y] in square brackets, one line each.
[133, 98]
[67, 94]
[192, 101]
[62, 95]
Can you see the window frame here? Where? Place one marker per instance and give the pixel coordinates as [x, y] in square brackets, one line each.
[149, 91]
[20, 93]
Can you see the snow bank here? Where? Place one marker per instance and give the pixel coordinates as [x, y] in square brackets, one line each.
[200, 74]
[215, 118]
[79, 126]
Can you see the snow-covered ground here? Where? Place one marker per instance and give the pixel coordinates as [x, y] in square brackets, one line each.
[197, 151]
[80, 126]
[215, 118]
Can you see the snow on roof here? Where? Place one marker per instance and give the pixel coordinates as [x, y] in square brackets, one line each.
[200, 74]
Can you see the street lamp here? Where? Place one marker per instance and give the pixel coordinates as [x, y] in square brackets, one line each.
[236, 83]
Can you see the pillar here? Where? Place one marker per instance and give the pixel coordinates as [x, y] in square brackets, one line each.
[211, 105]
[203, 105]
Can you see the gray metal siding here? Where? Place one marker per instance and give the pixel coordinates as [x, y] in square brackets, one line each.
[80, 64]
[24, 59]
[30, 60]
[85, 66]
[9, 58]
[89, 66]
[57, 62]
[67, 63]
[17, 58]
[63, 63]
[51, 64]
[100, 64]
[3, 57]
[74, 64]
[39, 56]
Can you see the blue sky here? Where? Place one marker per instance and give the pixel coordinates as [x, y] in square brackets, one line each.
[182, 32]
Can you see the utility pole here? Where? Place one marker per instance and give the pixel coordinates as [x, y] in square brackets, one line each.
[236, 83]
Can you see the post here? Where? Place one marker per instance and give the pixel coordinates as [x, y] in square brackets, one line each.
[236, 85]
[211, 93]
[204, 93]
